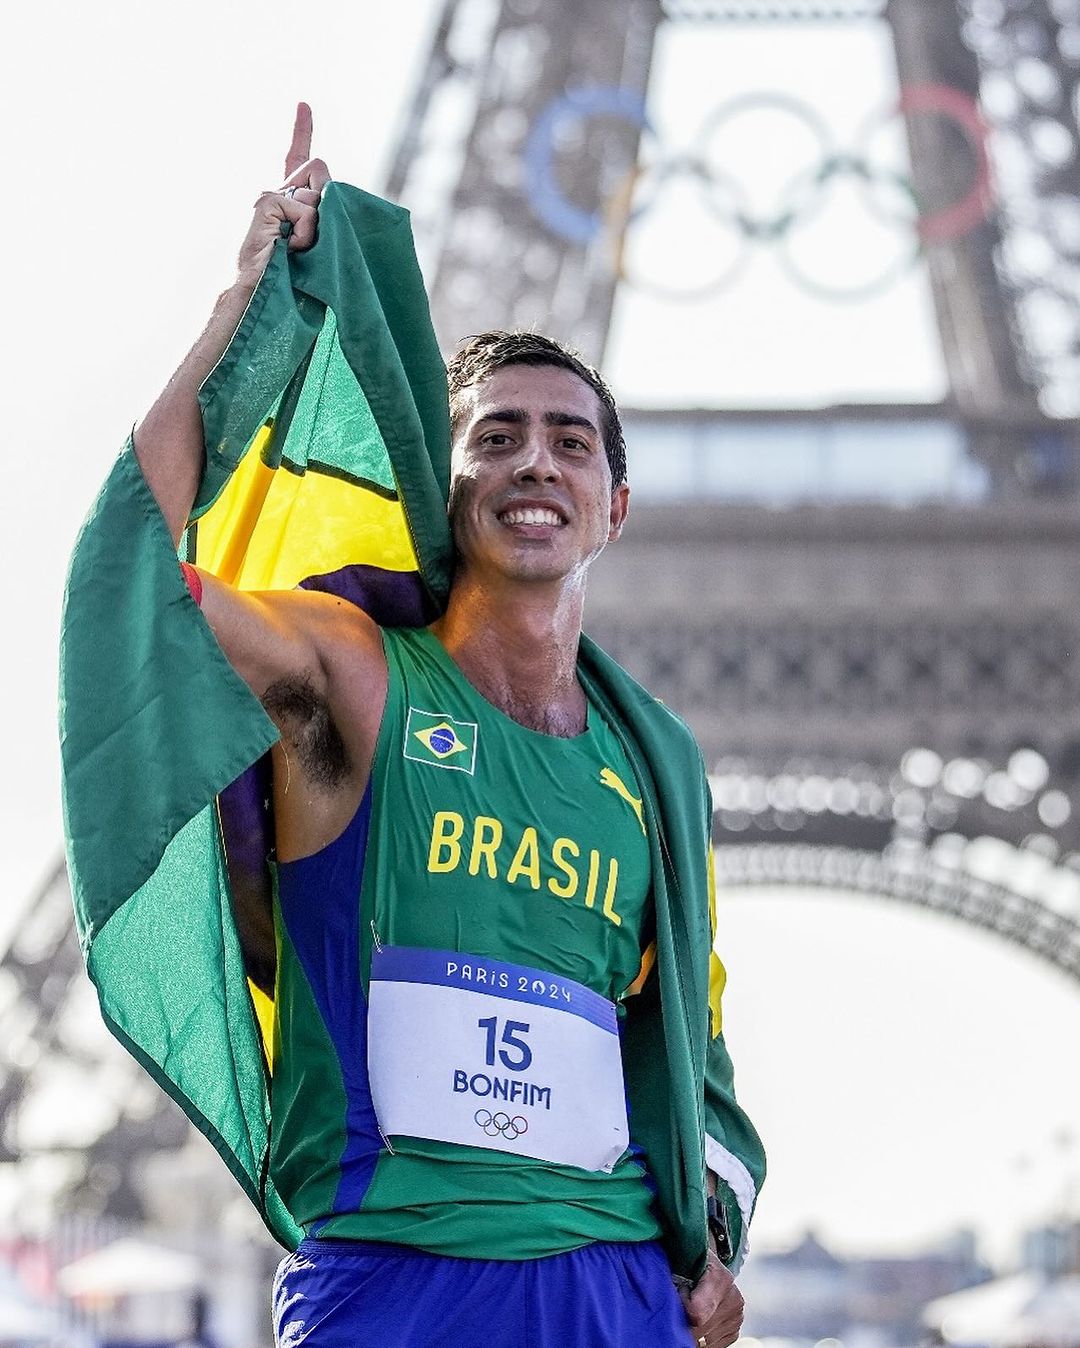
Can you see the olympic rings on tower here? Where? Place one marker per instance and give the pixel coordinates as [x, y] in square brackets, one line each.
[725, 199]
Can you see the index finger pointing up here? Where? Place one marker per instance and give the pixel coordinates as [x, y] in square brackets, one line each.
[300, 149]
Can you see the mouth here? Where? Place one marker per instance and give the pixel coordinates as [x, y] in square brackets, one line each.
[543, 516]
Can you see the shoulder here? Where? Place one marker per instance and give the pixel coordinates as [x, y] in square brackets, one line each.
[333, 621]
[607, 680]
[667, 744]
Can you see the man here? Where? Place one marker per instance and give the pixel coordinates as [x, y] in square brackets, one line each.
[436, 859]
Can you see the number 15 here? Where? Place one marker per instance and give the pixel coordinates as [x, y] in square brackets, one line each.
[518, 1062]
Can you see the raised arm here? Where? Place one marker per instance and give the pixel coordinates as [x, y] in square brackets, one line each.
[169, 439]
[311, 642]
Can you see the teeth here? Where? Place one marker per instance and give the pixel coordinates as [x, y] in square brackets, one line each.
[530, 516]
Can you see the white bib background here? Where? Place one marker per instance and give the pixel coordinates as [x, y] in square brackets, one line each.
[496, 1055]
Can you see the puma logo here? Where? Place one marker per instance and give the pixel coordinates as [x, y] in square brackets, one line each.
[609, 778]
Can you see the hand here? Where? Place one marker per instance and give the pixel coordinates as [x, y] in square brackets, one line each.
[715, 1306]
[296, 201]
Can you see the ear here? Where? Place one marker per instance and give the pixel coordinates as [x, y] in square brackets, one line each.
[620, 506]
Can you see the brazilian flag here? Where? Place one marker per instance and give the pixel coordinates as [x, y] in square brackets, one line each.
[327, 466]
[433, 738]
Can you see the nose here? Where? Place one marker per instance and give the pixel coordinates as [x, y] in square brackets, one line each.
[537, 463]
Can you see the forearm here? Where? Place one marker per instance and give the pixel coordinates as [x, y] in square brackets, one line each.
[169, 439]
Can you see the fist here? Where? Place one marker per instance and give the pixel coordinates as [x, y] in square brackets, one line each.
[714, 1307]
[295, 202]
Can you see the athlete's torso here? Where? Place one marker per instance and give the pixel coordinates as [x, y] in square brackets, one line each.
[478, 836]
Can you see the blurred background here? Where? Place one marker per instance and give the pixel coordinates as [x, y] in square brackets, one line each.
[828, 254]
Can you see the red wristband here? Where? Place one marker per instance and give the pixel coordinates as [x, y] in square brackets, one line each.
[194, 581]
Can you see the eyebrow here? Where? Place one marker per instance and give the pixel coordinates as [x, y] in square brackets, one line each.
[517, 416]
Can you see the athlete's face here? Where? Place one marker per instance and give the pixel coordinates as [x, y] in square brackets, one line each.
[531, 495]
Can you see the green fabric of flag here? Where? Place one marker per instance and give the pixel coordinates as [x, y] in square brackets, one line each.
[332, 382]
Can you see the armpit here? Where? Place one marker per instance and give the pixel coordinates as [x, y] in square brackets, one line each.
[304, 719]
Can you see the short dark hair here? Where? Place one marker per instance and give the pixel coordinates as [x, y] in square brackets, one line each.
[482, 355]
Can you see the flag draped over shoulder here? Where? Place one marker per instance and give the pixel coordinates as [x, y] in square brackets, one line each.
[327, 464]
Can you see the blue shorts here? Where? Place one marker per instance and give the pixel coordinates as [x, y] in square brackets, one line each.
[363, 1294]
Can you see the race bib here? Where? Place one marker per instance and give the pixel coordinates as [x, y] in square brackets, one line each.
[496, 1055]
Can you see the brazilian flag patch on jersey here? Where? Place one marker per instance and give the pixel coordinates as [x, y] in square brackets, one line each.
[431, 737]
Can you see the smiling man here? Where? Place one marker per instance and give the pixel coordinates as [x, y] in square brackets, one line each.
[465, 902]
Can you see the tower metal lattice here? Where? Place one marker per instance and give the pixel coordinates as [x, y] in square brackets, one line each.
[815, 676]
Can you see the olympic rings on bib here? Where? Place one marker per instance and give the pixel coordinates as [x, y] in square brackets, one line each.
[718, 195]
[496, 1124]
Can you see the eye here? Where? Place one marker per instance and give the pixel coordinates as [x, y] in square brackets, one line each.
[572, 442]
[496, 439]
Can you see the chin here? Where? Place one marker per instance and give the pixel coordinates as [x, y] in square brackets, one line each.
[528, 563]
[538, 569]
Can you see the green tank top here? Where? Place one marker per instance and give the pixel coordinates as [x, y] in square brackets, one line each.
[489, 839]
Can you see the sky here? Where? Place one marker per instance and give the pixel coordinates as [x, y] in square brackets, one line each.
[907, 1074]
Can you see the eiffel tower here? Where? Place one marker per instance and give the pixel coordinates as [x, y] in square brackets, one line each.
[888, 699]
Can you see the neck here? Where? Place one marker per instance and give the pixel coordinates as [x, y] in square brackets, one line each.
[517, 645]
